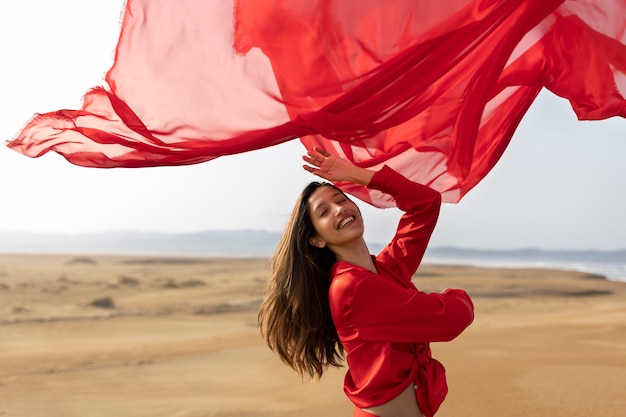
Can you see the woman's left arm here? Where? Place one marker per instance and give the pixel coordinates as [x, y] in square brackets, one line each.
[385, 311]
[421, 206]
[420, 203]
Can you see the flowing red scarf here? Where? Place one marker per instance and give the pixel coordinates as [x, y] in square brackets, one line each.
[435, 89]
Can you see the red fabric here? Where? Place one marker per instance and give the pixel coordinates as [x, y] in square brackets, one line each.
[433, 88]
[361, 413]
[384, 322]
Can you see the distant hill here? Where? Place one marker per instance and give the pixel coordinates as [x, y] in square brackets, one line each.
[242, 243]
[261, 244]
[257, 243]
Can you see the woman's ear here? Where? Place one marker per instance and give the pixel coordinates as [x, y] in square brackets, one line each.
[317, 241]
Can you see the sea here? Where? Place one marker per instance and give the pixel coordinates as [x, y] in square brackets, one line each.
[250, 243]
[608, 264]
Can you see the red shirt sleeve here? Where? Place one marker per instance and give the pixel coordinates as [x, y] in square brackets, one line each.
[421, 205]
[389, 307]
[387, 311]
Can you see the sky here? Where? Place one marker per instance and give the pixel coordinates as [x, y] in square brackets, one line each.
[561, 184]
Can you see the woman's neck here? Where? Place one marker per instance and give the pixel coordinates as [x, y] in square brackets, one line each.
[357, 254]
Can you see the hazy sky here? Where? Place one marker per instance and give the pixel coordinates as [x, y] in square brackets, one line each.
[560, 184]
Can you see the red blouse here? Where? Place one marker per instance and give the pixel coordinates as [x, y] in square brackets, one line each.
[384, 322]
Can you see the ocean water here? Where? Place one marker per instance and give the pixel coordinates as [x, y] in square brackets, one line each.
[250, 243]
[614, 271]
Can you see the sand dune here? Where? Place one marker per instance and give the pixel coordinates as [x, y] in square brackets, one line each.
[176, 337]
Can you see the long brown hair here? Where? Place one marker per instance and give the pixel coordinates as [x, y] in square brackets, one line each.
[294, 317]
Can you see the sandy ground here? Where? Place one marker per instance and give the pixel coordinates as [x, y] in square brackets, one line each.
[165, 337]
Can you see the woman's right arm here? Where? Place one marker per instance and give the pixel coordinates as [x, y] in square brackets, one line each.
[332, 168]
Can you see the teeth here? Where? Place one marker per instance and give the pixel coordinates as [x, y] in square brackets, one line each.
[345, 222]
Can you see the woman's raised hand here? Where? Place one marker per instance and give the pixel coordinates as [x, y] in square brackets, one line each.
[332, 168]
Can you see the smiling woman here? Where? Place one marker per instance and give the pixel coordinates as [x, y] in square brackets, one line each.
[327, 295]
[335, 218]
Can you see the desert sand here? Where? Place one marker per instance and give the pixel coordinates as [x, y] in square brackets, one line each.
[113, 336]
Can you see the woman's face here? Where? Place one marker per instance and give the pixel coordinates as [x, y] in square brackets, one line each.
[337, 220]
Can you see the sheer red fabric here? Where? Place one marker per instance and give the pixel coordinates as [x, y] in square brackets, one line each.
[433, 89]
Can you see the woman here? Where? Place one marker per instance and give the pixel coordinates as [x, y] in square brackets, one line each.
[327, 295]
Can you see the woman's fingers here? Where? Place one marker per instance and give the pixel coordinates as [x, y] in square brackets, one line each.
[320, 162]
[316, 156]
[321, 152]
[311, 160]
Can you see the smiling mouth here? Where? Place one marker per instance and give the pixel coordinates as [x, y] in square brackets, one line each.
[345, 222]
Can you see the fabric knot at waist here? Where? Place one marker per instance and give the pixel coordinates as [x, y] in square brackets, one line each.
[430, 381]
